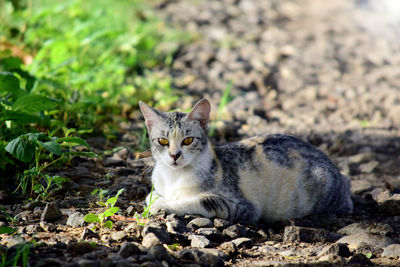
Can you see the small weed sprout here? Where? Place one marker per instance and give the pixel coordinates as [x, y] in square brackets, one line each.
[144, 216]
[101, 220]
[225, 99]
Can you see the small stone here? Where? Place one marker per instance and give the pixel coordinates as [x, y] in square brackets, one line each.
[185, 254]
[88, 263]
[392, 251]
[364, 248]
[234, 231]
[87, 233]
[79, 248]
[200, 223]
[156, 228]
[134, 229]
[33, 228]
[210, 233]
[129, 249]
[221, 224]
[211, 260]
[213, 251]
[175, 226]
[360, 259]
[15, 240]
[229, 248]
[308, 235]
[336, 249]
[372, 228]
[118, 236]
[242, 242]
[150, 240]
[75, 219]
[199, 241]
[354, 240]
[51, 213]
[160, 253]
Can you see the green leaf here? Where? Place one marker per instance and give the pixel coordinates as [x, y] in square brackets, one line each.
[19, 117]
[73, 141]
[112, 201]
[21, 148]
[10, 63]
[33, 103]
[52, 147]
[108, 224]
[111, 211]
[91, 218]
[8, 82]
[7, 230]
[368, 255]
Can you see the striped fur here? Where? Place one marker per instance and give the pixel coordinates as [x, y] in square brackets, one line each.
[273, 177]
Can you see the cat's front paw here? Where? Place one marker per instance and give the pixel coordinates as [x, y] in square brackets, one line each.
[157, 205]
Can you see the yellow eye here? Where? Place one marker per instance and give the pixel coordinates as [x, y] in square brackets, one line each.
[187, 141]
[163, 141]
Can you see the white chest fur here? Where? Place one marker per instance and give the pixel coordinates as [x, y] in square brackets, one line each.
[177, 183]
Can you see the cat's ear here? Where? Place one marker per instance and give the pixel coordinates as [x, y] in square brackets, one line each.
[201, 112]
[151, 115]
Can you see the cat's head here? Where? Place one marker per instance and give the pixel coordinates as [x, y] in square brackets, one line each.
[177, 138]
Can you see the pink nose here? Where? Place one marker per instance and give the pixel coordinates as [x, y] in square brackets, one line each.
[175, 156]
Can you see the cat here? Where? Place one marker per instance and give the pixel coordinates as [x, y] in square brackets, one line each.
[269, 178]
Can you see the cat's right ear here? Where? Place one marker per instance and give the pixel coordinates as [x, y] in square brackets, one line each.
[151, 115]
[201, 113]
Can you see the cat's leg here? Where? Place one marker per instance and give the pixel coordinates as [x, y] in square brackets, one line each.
[210, 205]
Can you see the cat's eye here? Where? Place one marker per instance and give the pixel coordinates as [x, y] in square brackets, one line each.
[187, 141]
[163, 141]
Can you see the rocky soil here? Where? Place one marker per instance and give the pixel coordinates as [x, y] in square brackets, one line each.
[326, 71]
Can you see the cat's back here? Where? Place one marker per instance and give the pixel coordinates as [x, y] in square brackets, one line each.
[284, 177]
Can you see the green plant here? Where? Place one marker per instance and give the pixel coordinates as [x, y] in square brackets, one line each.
[19, 258]
[29, 148]
[100, 194]
[101, 219]
[52, 183]
[142, 218]
[225, 99]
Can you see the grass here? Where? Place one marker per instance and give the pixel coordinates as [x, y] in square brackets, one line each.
[71, 69]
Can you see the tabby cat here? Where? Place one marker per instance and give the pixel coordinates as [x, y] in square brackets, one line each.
[272, 178]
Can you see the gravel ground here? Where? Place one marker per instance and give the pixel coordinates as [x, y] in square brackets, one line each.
[326, 71]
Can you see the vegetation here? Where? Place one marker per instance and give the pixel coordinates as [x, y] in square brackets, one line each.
[142, 218]
[69, 69]
[100, 220]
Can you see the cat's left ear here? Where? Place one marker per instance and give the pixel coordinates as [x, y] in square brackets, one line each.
[151, 115]
[201, 112]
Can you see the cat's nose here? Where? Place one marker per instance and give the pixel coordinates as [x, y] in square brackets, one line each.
[175, 156]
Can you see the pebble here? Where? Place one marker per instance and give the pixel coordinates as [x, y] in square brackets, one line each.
[200, 223]
[234, 231]
[150, 240]
[128, 249]
[75, 219]
[355, 239]
[308, 235]
[51, 213]
[372, 228]
[160, 253]
[118, 236]
[242, 242]
[391, 251]
[199, 241]
[210, 233]
[360, 259]
[335, 249]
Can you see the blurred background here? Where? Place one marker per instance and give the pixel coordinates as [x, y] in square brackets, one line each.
[328, 71]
